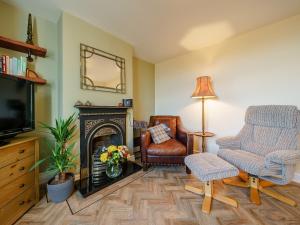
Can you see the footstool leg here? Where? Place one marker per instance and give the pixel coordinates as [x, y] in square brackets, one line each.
[208, 190]
[206, 205]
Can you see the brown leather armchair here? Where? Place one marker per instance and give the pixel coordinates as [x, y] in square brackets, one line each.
[171, 152]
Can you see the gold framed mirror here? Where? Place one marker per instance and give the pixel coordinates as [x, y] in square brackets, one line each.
[101, 71]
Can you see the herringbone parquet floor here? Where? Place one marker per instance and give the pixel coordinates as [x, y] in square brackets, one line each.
[159, 198]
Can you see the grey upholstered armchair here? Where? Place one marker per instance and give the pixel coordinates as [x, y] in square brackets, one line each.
[266, 148]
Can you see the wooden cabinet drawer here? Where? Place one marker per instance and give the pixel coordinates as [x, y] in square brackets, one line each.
[16, 153]
[15, 208]
[16, 187]
[13, 171]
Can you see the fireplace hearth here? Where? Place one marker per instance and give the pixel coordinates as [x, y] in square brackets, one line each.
[100, 126]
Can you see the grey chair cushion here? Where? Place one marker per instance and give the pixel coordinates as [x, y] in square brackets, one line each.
[263, 140]
[208, 166]
[284, 116]
[246, 161]
[229, 142]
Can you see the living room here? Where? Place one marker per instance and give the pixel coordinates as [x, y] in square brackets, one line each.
[216, 69]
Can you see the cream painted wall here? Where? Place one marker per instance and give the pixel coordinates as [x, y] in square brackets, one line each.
[61, 66]
[143, 89]
[75, 31]
[258, 67]
[13, 23]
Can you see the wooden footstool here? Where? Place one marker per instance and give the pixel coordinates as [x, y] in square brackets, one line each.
[208, 167]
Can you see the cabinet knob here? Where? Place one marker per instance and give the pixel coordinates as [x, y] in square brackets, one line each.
[22, 185]
[22, 168]
[21, 151]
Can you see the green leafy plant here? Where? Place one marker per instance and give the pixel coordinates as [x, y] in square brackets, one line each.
[61, 158]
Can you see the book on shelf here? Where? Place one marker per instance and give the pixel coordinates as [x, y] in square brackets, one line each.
[3, 62]
[7, 63]
[13, 65]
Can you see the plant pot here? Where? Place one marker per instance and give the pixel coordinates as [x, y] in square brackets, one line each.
[61, 191]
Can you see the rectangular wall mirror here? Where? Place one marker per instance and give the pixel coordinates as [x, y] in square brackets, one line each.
[101, 71]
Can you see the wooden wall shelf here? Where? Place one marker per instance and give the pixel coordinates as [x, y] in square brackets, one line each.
[29, 49]
[37, 80]
[22, 47]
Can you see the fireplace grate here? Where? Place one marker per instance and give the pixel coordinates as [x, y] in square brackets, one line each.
[98, 169]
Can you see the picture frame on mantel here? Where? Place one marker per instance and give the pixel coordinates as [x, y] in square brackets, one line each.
[101, 71]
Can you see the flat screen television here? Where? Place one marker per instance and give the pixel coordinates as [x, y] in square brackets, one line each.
[16, 106]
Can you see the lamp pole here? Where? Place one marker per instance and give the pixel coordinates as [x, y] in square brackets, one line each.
[203, 126]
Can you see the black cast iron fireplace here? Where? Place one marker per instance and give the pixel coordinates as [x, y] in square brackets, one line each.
[100, 126]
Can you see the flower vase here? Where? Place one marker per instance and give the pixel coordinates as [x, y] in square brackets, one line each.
[114, 170]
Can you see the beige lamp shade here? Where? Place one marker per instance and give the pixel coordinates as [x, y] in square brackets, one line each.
[203, 88]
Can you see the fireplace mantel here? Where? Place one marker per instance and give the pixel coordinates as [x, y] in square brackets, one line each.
[100, 110]
[99, 107]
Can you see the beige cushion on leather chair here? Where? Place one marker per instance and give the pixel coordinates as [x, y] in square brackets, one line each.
[158, 134]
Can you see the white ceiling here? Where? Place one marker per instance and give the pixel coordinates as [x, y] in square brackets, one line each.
[161, 29]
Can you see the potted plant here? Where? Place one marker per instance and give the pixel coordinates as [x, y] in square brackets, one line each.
[115, 157]
[61, 159]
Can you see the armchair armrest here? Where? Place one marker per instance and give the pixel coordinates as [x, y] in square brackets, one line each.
[185, 138]
[229, 142]
[145, 142]
[283, 157]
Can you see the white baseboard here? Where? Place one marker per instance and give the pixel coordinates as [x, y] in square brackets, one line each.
[297, 177]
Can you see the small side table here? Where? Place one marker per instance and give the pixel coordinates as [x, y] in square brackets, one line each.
[203, 136]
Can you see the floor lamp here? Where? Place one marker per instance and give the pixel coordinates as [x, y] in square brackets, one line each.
[203, 91]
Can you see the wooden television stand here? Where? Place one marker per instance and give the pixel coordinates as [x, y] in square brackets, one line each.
[19, 187]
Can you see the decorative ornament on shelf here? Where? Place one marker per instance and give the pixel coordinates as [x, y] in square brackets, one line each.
[33, 76]
[29, 30]
[78, 103]
[128, 102]
[29, 37]
[88, 103]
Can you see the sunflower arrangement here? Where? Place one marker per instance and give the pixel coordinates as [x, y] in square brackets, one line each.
[114, 155]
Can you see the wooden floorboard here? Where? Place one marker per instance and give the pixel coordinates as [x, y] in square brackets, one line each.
[159, 198]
